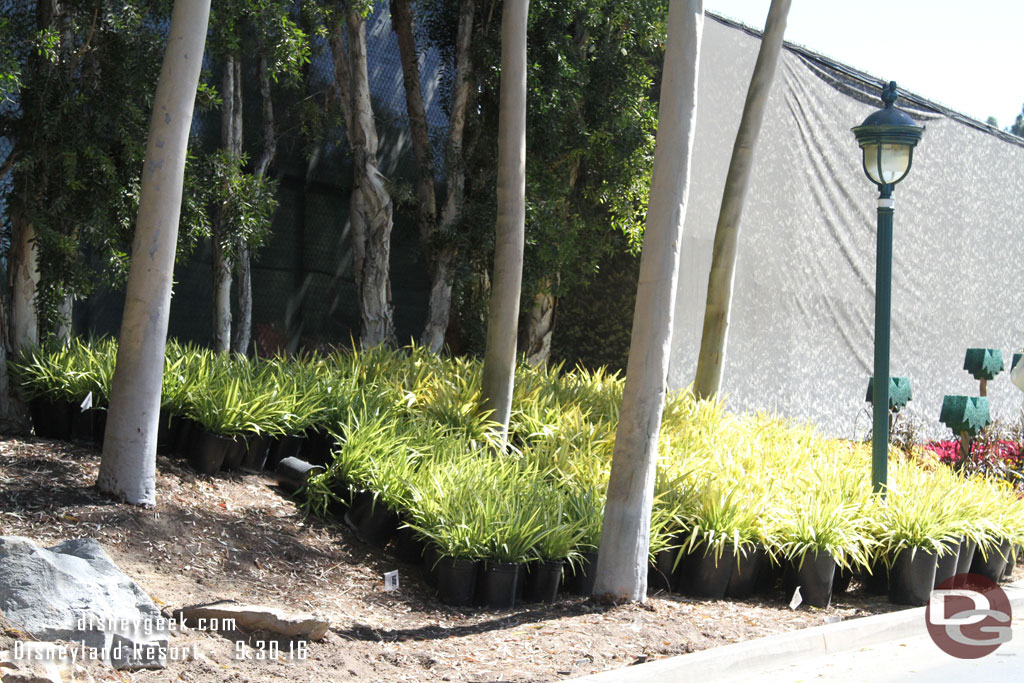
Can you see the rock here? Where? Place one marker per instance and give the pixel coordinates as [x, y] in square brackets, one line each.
[258, 618]
[74, 592]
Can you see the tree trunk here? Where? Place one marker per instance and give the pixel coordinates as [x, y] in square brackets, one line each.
[711, 361]
[402, 24]
[537, 327]
[625, 536]
[440, 258]
[243, 325]
[24, 278]
[128, 465]
[370, 210]
[231, 141]
[500, 352]
[12, 411]
[64, 324]
[439, 304]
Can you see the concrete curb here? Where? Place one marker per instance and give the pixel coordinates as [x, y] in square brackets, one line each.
[735, 660]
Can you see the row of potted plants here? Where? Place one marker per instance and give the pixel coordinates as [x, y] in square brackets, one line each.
[740, 500]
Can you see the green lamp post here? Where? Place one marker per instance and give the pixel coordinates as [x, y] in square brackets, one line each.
[887, 138]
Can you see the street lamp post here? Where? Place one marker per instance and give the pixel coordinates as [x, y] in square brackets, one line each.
[887, 138]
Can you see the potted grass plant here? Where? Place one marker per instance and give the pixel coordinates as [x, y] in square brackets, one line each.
[915, 530]
[722, 527]
[1000, 514]
[50, 380]
[585, 507]
[664, 547]
[556, 548]
[519, 525]
[815, 533]
[446, 510]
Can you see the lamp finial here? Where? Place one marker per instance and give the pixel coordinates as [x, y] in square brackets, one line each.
[889, 94]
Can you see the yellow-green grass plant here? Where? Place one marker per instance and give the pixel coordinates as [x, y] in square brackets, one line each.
[916, 513]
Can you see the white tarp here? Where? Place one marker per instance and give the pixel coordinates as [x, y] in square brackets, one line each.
[800, 341]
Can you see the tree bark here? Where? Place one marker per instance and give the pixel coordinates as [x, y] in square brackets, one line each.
[128, 464]
[231, 141]
[402, 24]
[24, 278]
[65, 310]
[12, 410]
[538, 326]
[711, 361]
[243, 325]
[370, 211]
[500, 353]
[625, 536]
[440, 258]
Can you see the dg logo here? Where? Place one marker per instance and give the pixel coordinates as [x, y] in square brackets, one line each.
[968, 616]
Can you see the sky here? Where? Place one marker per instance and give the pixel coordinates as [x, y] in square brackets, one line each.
[965, 55]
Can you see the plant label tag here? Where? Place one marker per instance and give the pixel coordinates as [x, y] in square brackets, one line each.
[86, 402]
[391, 581]
[797, 599]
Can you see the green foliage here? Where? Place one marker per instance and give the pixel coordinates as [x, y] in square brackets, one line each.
[80, 80]
[248, 201]
[591, 120]
[595, 318]
[67, 372]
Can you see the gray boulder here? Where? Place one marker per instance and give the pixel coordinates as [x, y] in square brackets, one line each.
[74, 592]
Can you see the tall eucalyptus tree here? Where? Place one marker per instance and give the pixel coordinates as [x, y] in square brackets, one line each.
[625, 536]
[128, 465]
[711, 361]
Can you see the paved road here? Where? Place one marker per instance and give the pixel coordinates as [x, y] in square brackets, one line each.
[910, 659]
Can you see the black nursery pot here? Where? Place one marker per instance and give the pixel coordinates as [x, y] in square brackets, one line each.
[580, 579]
[207, 455]
[292, 473]
[287, 446]
[255, 455]
[499, 584]
[967, 548]
[912, 577]
[431, 556]
[841, 580]
[769, 576]
[814, 577]
[743, 579]
[188, 434]
[372, 521]
[317, 446]
[994, 565]
[378, 526]
[234, 456]
[407, 546]
[51, 419]
[945, 565]
[705, 575]
[165, 431]
[341, 502]
[82, 424]
[456, 581]
[876, 582]
[542, 581]
[99, 426]
[1011, 561]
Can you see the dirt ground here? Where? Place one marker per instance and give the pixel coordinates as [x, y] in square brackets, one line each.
[235, 536]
